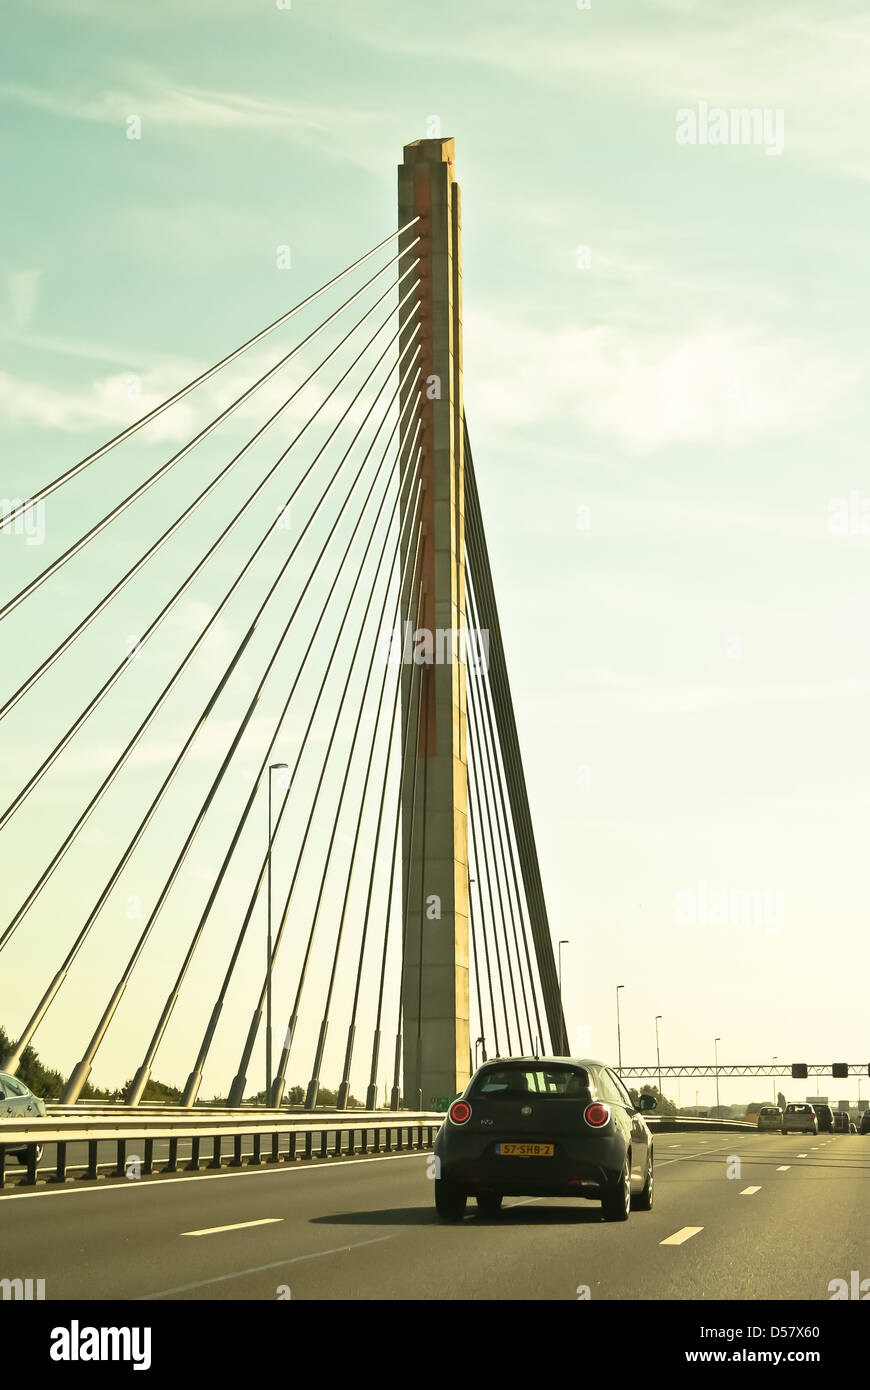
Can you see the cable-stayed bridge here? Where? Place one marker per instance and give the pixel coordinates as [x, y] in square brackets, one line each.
[265, 834]
[263, 788]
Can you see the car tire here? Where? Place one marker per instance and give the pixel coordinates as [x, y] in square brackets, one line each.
[644, 1199]
[449, 1201]
[23, 1158]
[489, 1203]
[616, 1205]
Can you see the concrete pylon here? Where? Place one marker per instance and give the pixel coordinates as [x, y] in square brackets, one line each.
[435, 1007]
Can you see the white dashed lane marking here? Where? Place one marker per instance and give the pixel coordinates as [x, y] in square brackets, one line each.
[750, 1191]
[680, 1237]
[237, 1226]
[783, 1167]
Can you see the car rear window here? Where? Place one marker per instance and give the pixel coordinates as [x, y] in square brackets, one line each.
[799, 1109]
[539, 1081]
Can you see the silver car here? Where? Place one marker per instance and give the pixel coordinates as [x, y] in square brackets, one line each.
[801, 1117]
[17, 1102]
[770, 1117]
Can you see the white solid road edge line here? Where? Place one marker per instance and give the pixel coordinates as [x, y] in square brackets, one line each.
[236, 1226]
[680, 1237]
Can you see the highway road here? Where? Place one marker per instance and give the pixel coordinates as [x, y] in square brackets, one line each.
[796, 1217]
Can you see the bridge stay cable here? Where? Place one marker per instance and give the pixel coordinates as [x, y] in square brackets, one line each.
[182, 666]
[155, 477]
[237, 1088]
[194, 1080]
[492, 839]
[144, 1070]
[192, 507]
[9, 517]
[509, 743]
[14, 1059]
[344, 1086]
[97, 699]
[482, 697]
[81, 1072]
[483, 872]
[314, 1083]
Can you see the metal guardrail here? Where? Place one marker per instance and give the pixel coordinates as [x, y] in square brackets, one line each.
[410, 1130]
[671, 1124]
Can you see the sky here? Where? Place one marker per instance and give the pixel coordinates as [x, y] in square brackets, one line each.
[665, 385]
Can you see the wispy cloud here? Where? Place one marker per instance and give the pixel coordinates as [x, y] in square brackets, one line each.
[717, 381]
[615, 693]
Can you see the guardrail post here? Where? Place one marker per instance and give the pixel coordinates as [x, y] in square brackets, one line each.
[172, 1164]
[309, 1143]
[2, 1165]
[237, 1151]
[364, 1146]
[193, 1165]
[91, 1173]
[120, 1158]
[389, 1144]
[377, 1144]
[275, 1156]
[254, 1160]
[216, 1151]
[148, 1165]
[291, 1147]
[60, 1167]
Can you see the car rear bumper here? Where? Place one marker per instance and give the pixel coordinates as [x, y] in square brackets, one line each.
[578, 1168]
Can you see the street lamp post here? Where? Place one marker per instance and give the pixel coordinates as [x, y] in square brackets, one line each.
[658, 1055]
[618, 1032]
[273, 767]
[774, 1080]
[565, 942]
[716, 1042]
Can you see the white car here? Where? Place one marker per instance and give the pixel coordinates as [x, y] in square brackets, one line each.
[17, 1102]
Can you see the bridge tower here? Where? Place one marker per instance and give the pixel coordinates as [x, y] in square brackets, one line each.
[435, 997]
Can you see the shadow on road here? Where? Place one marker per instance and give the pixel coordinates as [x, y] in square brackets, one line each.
[519, 1215]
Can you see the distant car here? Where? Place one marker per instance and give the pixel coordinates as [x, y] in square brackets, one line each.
[770, 1117]
[864, 1127]
[800, 1117]
[17, 1102]
[841, 1122]
[825, 1117]
[544, 1127]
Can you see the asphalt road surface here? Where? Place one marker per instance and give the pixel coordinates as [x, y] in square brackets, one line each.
[793, 1217]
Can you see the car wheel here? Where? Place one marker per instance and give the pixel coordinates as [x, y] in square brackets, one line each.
[488, 1203]
[449, 1201]
[644, 1199]
[23, 1157]
[616, 1206]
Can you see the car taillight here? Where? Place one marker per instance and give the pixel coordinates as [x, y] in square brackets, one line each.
[597, 1114]
[460, 1112]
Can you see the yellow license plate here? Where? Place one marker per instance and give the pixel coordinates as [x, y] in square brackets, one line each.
[526, 1150]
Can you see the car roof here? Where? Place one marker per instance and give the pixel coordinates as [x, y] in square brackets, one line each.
[542, 1061]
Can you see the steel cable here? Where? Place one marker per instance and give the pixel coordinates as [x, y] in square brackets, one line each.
[49, 488]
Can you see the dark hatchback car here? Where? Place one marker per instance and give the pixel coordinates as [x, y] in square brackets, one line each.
[825, 1117]
[553, 1127]
[864, 1125]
